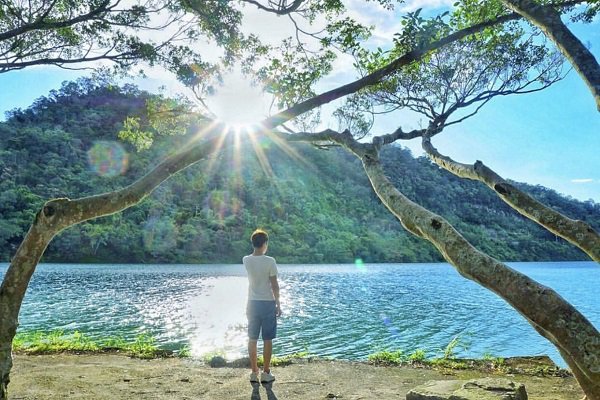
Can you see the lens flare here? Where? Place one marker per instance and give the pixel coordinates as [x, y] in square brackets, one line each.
[159, 235]
[108, 158]
[222, 203]
[360, 264]
[387, 321]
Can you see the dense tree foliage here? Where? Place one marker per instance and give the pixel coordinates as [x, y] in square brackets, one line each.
[318, 204]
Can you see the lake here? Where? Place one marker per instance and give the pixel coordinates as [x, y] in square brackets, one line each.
[342, 311]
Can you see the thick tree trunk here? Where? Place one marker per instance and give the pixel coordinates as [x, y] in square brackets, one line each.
[552, 316]
[12, 291]
[548, 20]
[60, 214]
[579, 233]
[594, 388]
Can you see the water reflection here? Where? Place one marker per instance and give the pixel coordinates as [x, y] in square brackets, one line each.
[218, 317]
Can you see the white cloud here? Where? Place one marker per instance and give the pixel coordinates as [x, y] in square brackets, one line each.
[413, 5]
[582, 180]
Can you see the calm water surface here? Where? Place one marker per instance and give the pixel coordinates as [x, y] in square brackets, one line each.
[341, 311]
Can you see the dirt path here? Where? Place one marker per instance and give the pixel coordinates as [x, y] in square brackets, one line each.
[117, 377]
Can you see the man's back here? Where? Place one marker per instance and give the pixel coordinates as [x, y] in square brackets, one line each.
[260, 269]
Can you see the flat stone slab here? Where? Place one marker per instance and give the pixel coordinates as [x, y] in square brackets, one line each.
[474, 389]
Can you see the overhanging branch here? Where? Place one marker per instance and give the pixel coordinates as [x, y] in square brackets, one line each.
[578, 233]
[550, 23]
[41, 24]
[377, 75]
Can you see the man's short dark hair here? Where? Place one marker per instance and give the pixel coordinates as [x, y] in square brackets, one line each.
[258, 238]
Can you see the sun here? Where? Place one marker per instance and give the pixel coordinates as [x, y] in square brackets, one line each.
[239, 108]
[239, 104]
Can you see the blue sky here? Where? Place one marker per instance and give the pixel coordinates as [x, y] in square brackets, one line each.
[551, 138]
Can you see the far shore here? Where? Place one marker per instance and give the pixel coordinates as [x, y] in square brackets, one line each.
[109, 375]
[233, 263]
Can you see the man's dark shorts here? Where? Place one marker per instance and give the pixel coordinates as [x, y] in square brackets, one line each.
[261, 317]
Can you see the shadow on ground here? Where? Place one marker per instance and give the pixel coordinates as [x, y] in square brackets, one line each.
[268, 388]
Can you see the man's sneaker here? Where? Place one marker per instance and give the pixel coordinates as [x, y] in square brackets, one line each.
[253, 377]
[266, 377]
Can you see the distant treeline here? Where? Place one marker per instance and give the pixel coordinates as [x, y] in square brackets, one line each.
[317, 205]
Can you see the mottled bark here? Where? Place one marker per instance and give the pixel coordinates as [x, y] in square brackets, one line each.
[593, 392]
[551, 315]
[579, 233]
[549, 21]
[59, 214]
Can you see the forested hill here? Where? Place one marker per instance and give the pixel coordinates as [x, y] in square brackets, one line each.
[317, 204]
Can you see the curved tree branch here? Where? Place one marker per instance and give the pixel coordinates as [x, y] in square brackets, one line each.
[552, 316]
[578, 233]
[59, 214]
[549, 21]
[576, 338]
[40, 24]
[377, 75]
[556, 319]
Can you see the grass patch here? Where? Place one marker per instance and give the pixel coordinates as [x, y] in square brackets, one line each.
[53, 342]
[449, 363]
[286, 360]
[39, 342]
[417, 356]
[184, 352]
[446, 358]
[145, 347]
[387, 358]
[449, 351]
[533, 366]
[496, 362]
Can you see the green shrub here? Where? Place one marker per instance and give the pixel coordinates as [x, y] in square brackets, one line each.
[417, 356]
[387, 357]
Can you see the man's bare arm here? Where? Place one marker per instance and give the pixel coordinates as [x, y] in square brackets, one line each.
[275, 288]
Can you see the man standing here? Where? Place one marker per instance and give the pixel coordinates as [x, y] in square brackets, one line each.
[263, 304]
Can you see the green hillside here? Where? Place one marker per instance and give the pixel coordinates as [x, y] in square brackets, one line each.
[317, 204]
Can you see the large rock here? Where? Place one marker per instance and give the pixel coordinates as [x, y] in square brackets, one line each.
[474, 389]
[217, 362]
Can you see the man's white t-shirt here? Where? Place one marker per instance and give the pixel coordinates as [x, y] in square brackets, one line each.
[260, 269]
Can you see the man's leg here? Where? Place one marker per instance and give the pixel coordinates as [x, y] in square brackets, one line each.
[253, 356]
[269, 332]
[253, 334]
[267, 353]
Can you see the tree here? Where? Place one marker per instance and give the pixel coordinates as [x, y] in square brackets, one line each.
[290, 78]
[437, 86]
[466, 74]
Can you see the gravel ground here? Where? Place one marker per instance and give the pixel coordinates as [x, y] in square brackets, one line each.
[118, 377]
